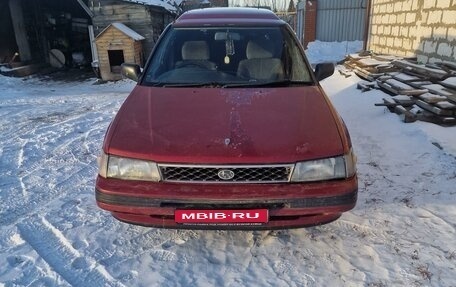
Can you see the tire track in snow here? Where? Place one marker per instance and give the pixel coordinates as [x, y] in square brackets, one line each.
[21, 267]
[57, 251]
[15, 209]
[157, 243]
[55, 166]
[20, 162]
[41, 147]
[348, 229]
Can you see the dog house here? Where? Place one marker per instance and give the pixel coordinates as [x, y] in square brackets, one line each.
[117, 44]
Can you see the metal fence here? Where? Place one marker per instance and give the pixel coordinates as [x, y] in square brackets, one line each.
[341, 20]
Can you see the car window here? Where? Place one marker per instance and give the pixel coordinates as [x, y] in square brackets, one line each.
[226, 56]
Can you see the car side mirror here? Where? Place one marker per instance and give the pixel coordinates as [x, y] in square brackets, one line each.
[324, 70]
[130, 71]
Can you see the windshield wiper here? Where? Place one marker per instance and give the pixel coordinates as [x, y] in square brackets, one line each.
[281, 83]
[165, 84]
[208, 84]
[155, 84]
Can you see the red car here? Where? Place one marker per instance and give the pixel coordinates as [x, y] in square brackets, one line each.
[227, 128]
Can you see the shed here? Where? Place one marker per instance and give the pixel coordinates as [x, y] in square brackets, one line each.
[147, 17]
[117, 44]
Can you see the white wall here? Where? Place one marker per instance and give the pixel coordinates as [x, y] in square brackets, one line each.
[425, 28]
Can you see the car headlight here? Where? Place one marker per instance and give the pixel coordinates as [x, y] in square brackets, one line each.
[127, 168]
[325, 169]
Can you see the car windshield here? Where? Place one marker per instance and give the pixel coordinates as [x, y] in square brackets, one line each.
[227, 57]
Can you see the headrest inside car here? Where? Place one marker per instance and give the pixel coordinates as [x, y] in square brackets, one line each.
[195, 50]
[260, 50]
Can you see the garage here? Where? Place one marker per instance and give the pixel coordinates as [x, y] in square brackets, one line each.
[44, 31]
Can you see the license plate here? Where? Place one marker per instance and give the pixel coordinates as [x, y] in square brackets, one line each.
[216, 217]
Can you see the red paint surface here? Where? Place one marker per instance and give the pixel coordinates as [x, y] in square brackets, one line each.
[190, 125]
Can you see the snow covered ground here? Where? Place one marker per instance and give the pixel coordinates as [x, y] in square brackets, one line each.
[318, 51]
[401, 233]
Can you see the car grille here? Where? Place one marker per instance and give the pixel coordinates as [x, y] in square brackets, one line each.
[218, 174]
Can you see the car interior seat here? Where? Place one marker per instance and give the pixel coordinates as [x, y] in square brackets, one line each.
[196, 53]
[260, 63]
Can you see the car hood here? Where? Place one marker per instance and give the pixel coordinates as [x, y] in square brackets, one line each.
[225, 126]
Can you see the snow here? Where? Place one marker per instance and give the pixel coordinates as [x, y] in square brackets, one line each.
[404, 77]
[428, 97]
[371, 62]
[409, 66]
[4, 69]
[319, 52]
[402, 98]
[446, 105]
[127, 31]
[450, 82]
[398, 84]
[438, 89]
[401, 233]
[170, 5]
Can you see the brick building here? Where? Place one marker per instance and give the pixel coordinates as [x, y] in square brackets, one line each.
[425, 28]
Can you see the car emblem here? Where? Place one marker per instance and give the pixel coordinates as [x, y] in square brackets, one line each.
[225, 174]
[227, 141]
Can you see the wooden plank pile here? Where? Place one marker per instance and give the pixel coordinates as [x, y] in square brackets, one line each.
[418, 92]
[369, 66]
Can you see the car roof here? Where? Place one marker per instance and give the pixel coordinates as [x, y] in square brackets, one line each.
[228, 17]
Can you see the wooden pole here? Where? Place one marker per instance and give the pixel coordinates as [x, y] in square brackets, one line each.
[20, 32]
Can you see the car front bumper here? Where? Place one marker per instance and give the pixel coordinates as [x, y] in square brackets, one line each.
[289, 204]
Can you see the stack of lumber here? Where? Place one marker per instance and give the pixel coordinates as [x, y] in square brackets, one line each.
[368, 66]
[421, 92]
[418, 92]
